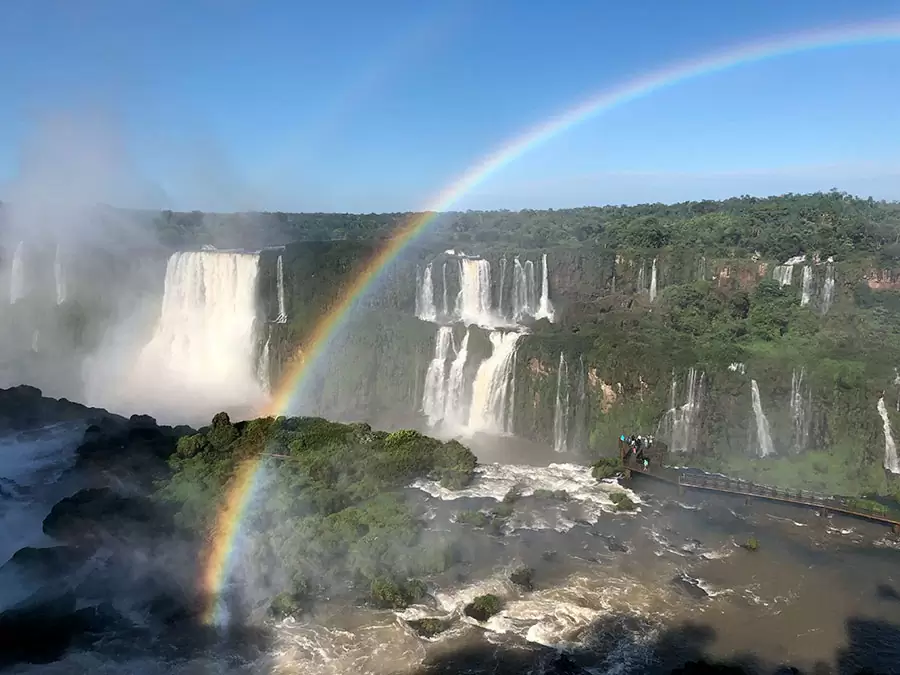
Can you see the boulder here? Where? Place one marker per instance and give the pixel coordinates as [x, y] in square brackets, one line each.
[88, 516]
[50, 562]
[39, 629]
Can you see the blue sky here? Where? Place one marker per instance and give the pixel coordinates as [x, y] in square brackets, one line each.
[377, 106]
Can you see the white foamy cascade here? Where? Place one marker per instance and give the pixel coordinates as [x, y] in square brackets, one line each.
[800, 409]
[641, 280]
[17, 274]
[561, 411]
[806, 286]
[653, 281]
[783, 274]
[891, 461]
[204, 345]
[35, 340]
[59, 276]
[828, 288]
[500, 287]
[473, 303]
[680, 425]
[523, 290]
[455, 405]
[264, 365]
[545, 307]
[445, 304]
[434, 397]
[490, 410]
[763, 435]
[425, 308]
[279, 271]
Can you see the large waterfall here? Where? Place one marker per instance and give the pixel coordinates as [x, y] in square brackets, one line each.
[524, 304]
[800, 410]
[59, 276]
[681, 424]
[279, 272]
[434, 396]
[473, 302]
[17, 274]
[806, 286]
[545, 308]
[501, 286]
[561, 411]
[492, 390]
[891, 461]
[425, 308]
[204, 346]
[456, 386]
[445, 307]
[763, 435]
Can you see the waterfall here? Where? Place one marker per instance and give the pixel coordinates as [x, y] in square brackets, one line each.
[520, 297]
[545, 308]
[828, 288]
[653, 281]
[473, 303]
[641, 280]
[17, 274]
[783, 274]
[806, 285]
[580, 432]
[490, 409]
[680, 425]
[434, 397]
[425, 309]
[59, 277]
[800, 409]
[263, 365]
[702, 268]
[446, 304]
[763, 436]
[204, 346]
[530, 288]
[891, 462]
[500, 288]
[561, 411]
[35, 340]
[279, 272]
[455, 400]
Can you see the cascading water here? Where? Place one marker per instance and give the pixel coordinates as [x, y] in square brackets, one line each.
[763, 435]
[446, 303]
[783, 274]
[653, 281]
[264, 364]
[806, 286]
[641, 282]
[500, 287]
[580, 433]
[279, 271]
[17, 274]
[490, 410]
[828, 288]
[59, 276]
[473, 303]
[545, 307]
[561, 411]
[680, 425]
[425, 308]
[891, 461]
[800, 410]
[434, 396]
[454, 408]
[522, 302]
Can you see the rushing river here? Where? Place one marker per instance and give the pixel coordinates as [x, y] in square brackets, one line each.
[614, 592]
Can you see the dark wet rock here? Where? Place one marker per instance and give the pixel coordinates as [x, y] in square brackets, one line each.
[49, 562]
[523, 577]
[25, 407]
[483, 607]
[689, 586]
[429, 627]
[89, 515]
[39, 629]
[615, 545]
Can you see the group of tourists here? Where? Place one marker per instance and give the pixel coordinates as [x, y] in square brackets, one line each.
[635, 448]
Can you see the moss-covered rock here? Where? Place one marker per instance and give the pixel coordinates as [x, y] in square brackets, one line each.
[483, 607]
[430, 627]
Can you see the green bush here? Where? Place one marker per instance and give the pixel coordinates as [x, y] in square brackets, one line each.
[483, 607]
[606, 467]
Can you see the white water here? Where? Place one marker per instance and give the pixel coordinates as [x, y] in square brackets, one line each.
[806, 286]
[492, 390]
[473, 302]
[545, 307]
[783, 274]
[279, 271]
[203, 350]
[17, 274]
[446, 303]
[891, 461]
[500, 288]
[641, 281]
[456, 399]
[59, 276]
[763, 435]
[561, 411]
[264, 365]
[523, 290]
[679, 426]
[434, 397]
[800, 405]
[828, 288]
[425, 307]
[653, 281]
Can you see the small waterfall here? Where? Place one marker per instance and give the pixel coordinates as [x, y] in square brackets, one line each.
[530, 288]
[520, 300]
[473, 303]
[680, 425]
[35, 340]
[783, 274]
[763, 436]
[59, 277]
[445, 303]
[800, 410]
[500, 288]
[264, 364]
[891, 461]
[653, 281]
[279, 272]
[545, 307]
[641, 282]
[806, 285]
[561, 411]
[17, 274]
[455, 400]
[828, 288]
[425, 309]
[702, 269]
[490, 410]
[434, 397]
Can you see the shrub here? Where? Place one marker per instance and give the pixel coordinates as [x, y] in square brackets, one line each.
[483, 607]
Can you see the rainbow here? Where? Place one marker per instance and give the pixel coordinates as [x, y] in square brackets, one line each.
[221, 543]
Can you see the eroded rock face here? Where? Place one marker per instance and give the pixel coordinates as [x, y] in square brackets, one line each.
[90, 515]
